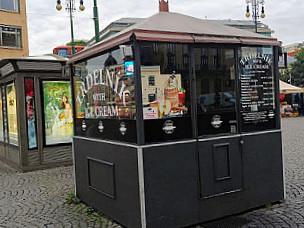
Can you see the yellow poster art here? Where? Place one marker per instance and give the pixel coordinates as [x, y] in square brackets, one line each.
[12, 113]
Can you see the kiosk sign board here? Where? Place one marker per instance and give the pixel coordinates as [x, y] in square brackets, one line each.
[257, 103]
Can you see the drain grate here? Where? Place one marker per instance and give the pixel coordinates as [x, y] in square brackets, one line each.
[231, 222]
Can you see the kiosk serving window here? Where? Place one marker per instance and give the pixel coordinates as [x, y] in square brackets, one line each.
[12, 113]
[166, 101]
[215, 90]
[257, 88]
[105, 97]
[58, 119]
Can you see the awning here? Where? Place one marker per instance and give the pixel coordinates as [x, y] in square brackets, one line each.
[286, 88]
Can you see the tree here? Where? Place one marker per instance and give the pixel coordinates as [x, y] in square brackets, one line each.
[77, 43]
[296, 73]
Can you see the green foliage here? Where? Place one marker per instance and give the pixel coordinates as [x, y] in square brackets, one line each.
[77, 43]
[77, 206]
[89, 210]
[297, 70]
[72, 199]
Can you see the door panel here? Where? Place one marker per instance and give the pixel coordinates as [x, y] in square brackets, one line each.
[220, 163]
[219, 159]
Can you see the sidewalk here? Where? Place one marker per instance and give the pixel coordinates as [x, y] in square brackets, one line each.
[35, 199]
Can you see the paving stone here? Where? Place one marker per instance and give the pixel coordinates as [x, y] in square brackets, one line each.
[35, 199]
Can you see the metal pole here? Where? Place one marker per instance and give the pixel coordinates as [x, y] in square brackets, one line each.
[72, 29]
[95, 13]
[255, 15]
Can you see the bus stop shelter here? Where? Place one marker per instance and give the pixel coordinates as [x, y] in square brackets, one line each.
[36, 124]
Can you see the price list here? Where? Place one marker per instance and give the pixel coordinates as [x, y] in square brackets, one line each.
[257, 91]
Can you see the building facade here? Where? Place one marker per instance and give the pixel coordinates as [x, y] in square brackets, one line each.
[13, 29]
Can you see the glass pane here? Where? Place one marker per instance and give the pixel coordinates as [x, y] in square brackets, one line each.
[5, 122]
[215, 90]
[1, 118]
[8, 39]
[62, 52]
[12, 5]
[165, 91]
[257, 88]
[105, 96]
[30, 113]
[58, 119]
[12, 114]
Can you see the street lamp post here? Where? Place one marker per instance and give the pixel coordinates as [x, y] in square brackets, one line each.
[255, 11]
[70, 8]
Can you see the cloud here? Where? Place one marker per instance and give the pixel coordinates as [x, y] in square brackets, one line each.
[49, 28]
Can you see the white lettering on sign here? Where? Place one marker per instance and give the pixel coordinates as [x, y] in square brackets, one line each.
[100, 111]
[106, 78]
[256, 57]
[99, 97]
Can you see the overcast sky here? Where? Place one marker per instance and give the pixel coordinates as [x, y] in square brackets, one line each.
[49, 28]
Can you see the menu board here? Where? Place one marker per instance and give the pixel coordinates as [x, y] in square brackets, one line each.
[257, 89]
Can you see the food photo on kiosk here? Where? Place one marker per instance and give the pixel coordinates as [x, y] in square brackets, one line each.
[175, 125]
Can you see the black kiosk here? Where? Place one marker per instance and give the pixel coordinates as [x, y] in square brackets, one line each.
[177, 122]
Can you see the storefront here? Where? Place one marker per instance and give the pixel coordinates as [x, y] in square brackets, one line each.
[177, 122]
[36, 126]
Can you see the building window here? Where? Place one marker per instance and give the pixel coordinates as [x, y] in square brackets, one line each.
[151, 97]
[12, 5]
[10, 36]
[151, 81]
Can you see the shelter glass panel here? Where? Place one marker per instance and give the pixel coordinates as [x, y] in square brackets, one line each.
[105, 96]
[166, 101]
[4, 109]
[258, 109]
[215, 91]
[30, 113]
[58, 119]
[1, 118]
[12, 113]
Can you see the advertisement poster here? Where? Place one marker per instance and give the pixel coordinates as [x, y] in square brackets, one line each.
[30, 113]
[12, 113]
[57, 112]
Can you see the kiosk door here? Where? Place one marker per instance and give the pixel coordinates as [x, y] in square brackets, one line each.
[219, 141]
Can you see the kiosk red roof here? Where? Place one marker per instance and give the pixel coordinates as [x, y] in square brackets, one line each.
[175, 27]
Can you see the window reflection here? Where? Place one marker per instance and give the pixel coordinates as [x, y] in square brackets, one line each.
[215, 88]
[166, 74]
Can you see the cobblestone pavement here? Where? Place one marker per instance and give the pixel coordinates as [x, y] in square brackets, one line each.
[35, 199]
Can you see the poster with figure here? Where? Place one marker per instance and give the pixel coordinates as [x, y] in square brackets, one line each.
[58, 119]
[30, 113]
